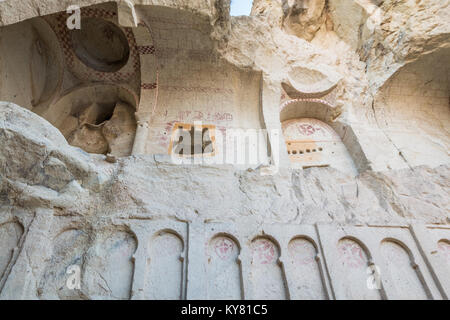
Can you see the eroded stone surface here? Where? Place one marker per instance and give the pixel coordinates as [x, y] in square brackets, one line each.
[86, 178]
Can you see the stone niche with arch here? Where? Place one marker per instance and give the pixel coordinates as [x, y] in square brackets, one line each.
[412, 109]
[86, 82]
[310, 140]
[164, 259]
[314, 131]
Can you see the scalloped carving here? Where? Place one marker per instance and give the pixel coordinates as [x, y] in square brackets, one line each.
[306, 82]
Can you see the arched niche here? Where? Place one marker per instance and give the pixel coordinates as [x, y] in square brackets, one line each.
[323, 110]
[164, 276]
[31, 64]
[10, 235]
[403, 271]
[101, 50]
[304, 81]
[313, 143]
[69, 248]
[223, 269]
[193, 84]
[306, 275]
[96, 118]
[354, 272]
[110, 266]
[61, 67]
[104, 54]
[412, 108]
[266, 277]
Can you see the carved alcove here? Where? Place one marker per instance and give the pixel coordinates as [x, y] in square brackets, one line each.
[311, 142]
[412, 109]
[69, 249]
[109, 266]
[193, 86]
[266, 275]
[354, 266]
[164, 274]
[312, 127]
[85, 81]
[306, 272]
[223, 269]
[97, 118]
[404, 274]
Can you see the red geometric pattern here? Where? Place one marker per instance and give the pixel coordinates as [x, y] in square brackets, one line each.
[306, 129]
[198, 89]
[285, 104]
[146, 50]
[126, 74]
[98, 13]
[149, 86]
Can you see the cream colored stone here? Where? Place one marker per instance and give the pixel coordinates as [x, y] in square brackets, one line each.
[89, 180]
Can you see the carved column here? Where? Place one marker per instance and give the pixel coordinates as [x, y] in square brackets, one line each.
[140, 140]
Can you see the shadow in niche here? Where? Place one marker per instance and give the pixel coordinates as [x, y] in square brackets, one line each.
[101, 45]
[85, 82]
[98, 119]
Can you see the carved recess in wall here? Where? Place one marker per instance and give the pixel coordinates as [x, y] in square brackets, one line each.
[404, 273]
[307, 82]
[304, 260]
[102, 82]
[266, 275]
[46, 64]
[223, 270]
[98, 118]
[14, 230]
[161, 259]
[101, 51]
[309, 92]
[164, 274]
[69, 249]
[310, 141]
[109, 265]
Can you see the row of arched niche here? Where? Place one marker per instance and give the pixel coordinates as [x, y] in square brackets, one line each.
[232, 272]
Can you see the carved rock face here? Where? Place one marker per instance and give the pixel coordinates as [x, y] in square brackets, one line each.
[101, 45]
[303, 17]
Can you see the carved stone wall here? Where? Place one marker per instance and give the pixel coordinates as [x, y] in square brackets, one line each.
[346, 197]
[163, 259]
